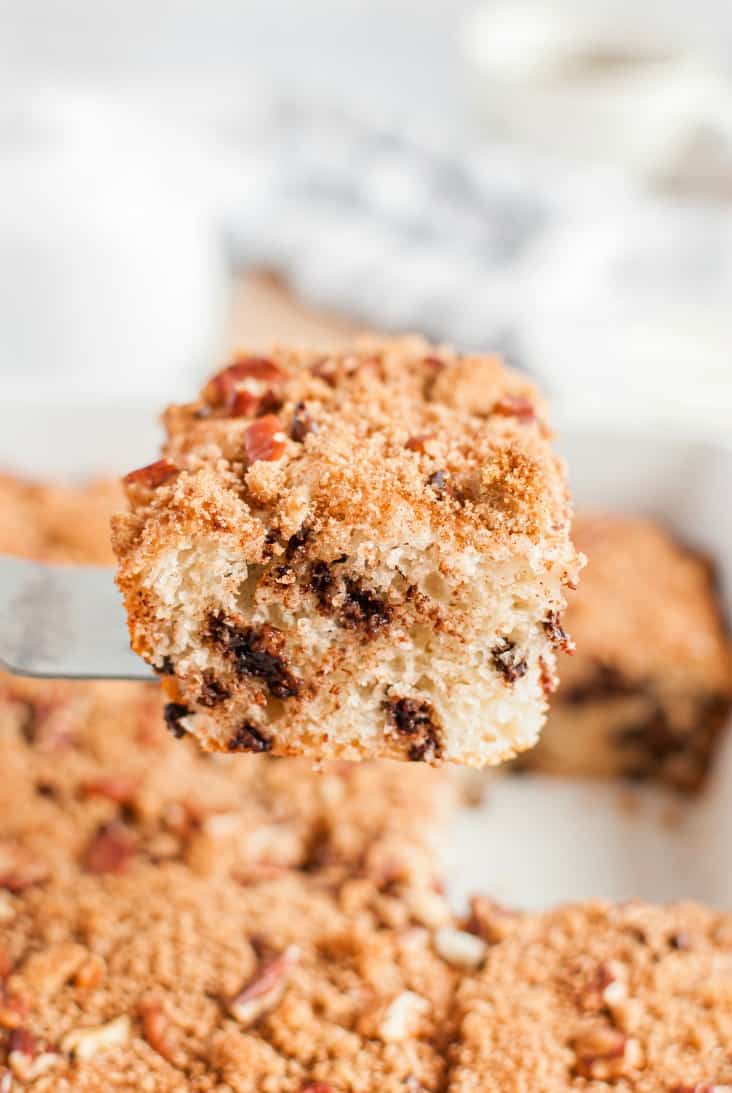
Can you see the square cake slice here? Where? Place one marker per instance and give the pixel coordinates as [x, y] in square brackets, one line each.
[353, 555]
[598, 997]
[650, 688]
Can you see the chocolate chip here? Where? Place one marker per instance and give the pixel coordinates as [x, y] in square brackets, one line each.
[213, 693]
[172, 714]
[249, 738]
[256, 652]
[297, 541]
[302, 423]
[364, 609]
[321, 582]
[415, 718]
[508, 661]
[556, 633]
[166, 668]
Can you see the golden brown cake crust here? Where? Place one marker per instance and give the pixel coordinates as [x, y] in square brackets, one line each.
[629, 998]
[315, 518]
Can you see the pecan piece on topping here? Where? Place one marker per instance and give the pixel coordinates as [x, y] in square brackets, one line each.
[172, 714]
[515, 406]
[115, 787]
[91, 974]
[153, 475]
[417, 443]
[265, 989]
[459, 947]
[111, 849]
[245, 385]
[85, 1043]
[508, 662]
[302, 423]
[12, 1008]
[604, 1053]
[264, 439]
[556, 633]
[249, 738]
[155, 1027]
[400, 1018]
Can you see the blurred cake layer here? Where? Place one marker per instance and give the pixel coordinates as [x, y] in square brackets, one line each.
[650, 687]
[353, 555]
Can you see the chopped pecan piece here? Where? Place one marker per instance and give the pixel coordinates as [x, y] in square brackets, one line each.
[155, 1028]
[245, 385]
[85, 1043]
[110, 849]
[91, 974]
[265, 989]
[459, 947]
[153, 475]
[604, 1053]
[12, 1008]
[515, 406]
[115, 787]
[417, 443]
[28, 1058]
[264, 439]
[400, 1018]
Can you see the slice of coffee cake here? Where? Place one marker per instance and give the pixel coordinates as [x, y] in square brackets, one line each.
[650, 687]
[631, 997]
[353, 555]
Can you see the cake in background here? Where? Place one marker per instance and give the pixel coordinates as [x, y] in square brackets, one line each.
[649, 689]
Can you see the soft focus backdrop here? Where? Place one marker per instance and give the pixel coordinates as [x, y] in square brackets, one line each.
[550, 178]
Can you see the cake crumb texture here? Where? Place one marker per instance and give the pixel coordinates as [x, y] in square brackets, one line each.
[353, 555]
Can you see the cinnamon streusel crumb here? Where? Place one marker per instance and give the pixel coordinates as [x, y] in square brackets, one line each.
[630, 998]
[353, 555]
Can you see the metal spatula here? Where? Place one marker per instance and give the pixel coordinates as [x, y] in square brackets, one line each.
[64, 621]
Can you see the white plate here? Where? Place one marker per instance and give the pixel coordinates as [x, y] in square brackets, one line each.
[535, 841]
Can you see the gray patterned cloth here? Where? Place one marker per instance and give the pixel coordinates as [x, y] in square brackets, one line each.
[596, 285]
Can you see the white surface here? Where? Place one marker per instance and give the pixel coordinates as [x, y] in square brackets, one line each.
[535, 841]
[112, 273]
